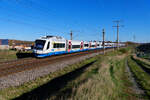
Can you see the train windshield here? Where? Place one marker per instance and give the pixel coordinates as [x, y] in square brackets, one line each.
[39, 44]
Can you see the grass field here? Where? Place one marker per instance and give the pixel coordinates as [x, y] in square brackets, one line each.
[6, 55]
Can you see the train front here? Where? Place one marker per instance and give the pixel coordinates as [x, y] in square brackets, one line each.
[39, 48]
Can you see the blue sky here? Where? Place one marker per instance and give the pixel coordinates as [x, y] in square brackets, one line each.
[30, 19]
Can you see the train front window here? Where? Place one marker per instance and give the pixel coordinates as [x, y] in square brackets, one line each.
[39, 44]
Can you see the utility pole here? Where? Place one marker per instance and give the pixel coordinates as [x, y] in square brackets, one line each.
[71, 35]
[117, 26]
[134, 37]
[103, 32]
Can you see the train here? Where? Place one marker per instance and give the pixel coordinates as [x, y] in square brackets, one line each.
[55, 45]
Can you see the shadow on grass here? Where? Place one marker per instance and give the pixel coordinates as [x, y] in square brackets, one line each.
[49, 89]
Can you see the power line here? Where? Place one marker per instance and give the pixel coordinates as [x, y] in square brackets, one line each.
[134, 38]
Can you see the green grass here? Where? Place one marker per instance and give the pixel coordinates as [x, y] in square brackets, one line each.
[146, 56]
[6, 55]
[142, 78]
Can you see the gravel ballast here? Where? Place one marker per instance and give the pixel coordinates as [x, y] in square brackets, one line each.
[28, 75]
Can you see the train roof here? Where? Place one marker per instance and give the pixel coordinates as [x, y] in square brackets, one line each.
[52, 38]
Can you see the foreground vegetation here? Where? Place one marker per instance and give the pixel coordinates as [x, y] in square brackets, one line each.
[97, 82]
[106, 79]
[103, 77]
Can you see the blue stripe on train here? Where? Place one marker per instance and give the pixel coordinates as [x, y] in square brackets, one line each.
[62, 52]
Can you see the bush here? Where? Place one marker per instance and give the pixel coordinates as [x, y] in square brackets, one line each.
[123, 50]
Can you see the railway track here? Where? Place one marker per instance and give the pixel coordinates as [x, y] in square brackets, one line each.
[32, 63]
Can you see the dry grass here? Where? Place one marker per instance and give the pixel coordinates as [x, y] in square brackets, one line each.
[100, 86]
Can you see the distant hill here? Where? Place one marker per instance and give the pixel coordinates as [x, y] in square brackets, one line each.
[20, 42]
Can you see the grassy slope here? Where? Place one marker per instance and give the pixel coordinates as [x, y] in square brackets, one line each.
[142, 77]
[106, 79]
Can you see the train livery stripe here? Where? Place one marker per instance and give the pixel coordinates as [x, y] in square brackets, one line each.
[62, 52]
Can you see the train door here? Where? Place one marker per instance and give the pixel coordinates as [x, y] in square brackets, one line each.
[90, 45]
[66, 46]
[69, 46]
[81, 47]
[95, 45]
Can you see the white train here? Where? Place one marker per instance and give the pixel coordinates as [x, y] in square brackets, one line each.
[54, 45]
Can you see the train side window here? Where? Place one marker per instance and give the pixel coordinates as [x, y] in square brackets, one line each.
[75, 46]
[59, 45]
[86, 45]
[48, 45]
[63, 45]
[54, 46]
